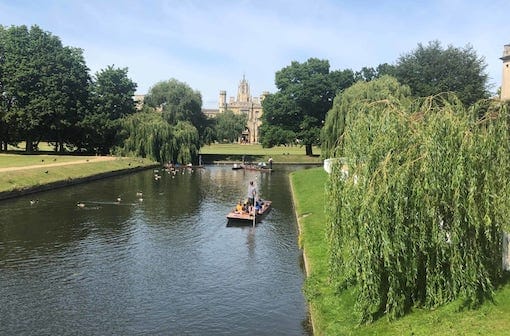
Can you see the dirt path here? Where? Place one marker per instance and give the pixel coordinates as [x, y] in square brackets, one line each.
[56, 164]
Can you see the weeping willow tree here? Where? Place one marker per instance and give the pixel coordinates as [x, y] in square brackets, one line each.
[353, 101]
[186, 140]
[419, 219]
[148, 135]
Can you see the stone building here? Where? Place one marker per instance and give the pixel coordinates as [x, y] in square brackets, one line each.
[244, 103]
[138, 98]
[505, 84]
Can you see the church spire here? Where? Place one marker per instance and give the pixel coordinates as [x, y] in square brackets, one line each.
[243, 91]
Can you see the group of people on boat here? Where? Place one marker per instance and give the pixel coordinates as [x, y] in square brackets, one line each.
[252, 202]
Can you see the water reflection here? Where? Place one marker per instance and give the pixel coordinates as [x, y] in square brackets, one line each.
[164, 265]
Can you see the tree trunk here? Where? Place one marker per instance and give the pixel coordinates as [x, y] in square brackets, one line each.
[29, 148]
[309, 150]
[61, 144]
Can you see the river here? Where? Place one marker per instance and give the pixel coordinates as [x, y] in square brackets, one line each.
[163, 263]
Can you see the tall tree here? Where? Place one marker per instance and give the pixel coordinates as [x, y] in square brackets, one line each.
[306, 92]
[43, 87]
[40, 80]
[148, 135]
[4, 103]
[367, 74]
[353, 101]
[178, 102]
[431, 69]
[229, 126]
[111, 99]
[69, 94]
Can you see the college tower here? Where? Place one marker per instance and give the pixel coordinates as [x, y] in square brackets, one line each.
[244, 103]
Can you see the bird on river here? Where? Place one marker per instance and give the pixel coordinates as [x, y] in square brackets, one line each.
[80, 204]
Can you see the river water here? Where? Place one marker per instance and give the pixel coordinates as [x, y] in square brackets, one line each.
[164, 263]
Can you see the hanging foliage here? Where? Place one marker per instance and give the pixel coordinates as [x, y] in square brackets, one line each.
[187, 141]
[353, 100]
[418, 221]
[149, 135]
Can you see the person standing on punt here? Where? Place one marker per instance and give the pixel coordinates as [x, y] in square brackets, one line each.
[252, 193]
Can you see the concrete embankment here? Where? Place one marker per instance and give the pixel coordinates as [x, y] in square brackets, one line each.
[306, 261]
[71, 181]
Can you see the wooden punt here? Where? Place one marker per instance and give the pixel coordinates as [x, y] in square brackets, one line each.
[257, 168]
[247, 218]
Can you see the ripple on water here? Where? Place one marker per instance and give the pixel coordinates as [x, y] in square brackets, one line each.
[168, 265]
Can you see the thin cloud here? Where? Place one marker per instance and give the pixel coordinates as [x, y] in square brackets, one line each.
[210, 45]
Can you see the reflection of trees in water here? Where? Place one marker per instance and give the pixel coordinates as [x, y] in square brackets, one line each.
[175, 194]
[55, 222]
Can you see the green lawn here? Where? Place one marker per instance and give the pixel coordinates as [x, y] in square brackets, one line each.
[20, 160]
[255, 153]
[26, 178]
[333, 312]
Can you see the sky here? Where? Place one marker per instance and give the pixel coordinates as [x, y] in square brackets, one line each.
[211, 44]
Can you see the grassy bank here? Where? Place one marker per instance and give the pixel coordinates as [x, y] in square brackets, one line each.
[44, 169]
[255, 153]
[333, 312]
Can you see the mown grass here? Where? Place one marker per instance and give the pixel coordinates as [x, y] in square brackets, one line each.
[33, 177]
[256, 153]
[20, 160]
[332, 311]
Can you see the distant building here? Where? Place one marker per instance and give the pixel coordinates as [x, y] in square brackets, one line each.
[505, 84]
[244, 103]
[138, 101]
[210, 113]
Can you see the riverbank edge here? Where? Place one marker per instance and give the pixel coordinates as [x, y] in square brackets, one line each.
[218, 163]
[71, 181]
[306, 261]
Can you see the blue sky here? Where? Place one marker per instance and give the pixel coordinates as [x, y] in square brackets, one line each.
[211, 44]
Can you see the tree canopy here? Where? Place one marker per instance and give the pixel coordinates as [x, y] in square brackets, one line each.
[181, 108]
[111, 100]
[178, 102]
[229, 126]
[417, 221]
[43, 86]
[305, 94]
[148, 135]
[46, 93]
[349, 104]
[432, 69]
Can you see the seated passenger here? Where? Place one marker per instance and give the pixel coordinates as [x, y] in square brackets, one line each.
[239, 207]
